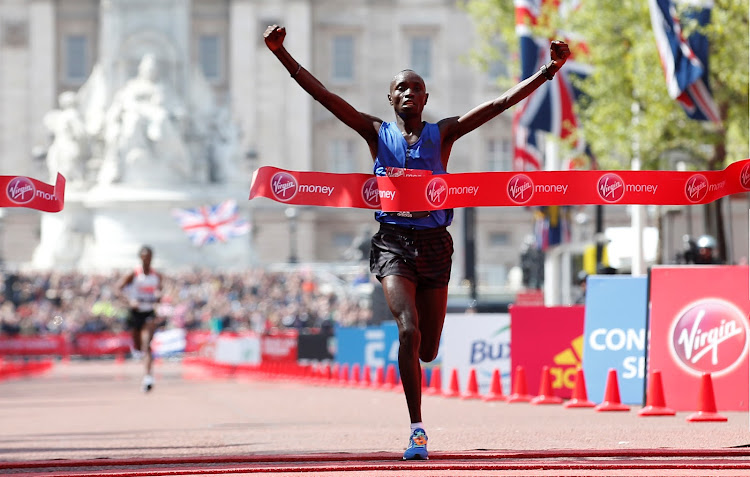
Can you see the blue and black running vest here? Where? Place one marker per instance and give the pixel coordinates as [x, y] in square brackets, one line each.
[393, 151]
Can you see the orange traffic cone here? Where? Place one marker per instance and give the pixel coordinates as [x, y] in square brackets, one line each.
[520, 391]
[366, 381]
[343, 376]
[355, 376]
[308, 372]
[655, 403]
[496, 388]
[333, 380]
[436, 386]
[453, 386]
[612, 395]
[390, 378]
[326, 374]
[120, 357]
[706, 403]
[472, 388]
[546, 396]
[379, 377]
[580, 397]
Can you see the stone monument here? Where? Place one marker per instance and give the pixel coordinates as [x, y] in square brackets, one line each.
[142, 137]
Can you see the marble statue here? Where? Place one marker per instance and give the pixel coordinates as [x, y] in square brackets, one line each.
[70, 145]
[158, 138]
[224, 147]
[142, 133]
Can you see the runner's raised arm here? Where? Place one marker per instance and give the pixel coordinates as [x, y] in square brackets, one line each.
[366, 125]
[455, 127]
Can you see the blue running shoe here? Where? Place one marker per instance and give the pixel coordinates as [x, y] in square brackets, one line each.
[417, 446]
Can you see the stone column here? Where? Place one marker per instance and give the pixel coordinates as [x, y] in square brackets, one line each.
[14, 90]
[42, 70]
[244, 34]
[298, 104]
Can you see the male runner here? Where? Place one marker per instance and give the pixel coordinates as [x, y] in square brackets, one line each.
[142, 290]
[411, 252]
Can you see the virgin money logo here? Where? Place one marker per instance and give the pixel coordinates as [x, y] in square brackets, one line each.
[437, 192]
[21, 190]
[696, 188]
[610, 187]
[709, 336]
[370, 193]
[520, 189]
[745, 177]
[283, 186]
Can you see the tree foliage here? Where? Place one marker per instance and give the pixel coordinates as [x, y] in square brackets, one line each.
[627, 110]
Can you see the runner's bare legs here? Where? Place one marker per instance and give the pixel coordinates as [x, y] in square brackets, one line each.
[151, 327]
[419, 314]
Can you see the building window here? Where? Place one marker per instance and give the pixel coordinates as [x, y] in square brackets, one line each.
[76, 54]
[343, 58]
[421, 56]
[342, 153]
[342, 240]
[499, 155]
[209, 56]
[498, 66]
[499, 239]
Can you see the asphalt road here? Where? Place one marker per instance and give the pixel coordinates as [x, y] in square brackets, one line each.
[96, 410]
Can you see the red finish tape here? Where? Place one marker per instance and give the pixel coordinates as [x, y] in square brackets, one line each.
[499, 189]
[21, 191]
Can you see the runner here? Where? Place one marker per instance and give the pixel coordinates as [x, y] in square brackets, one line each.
[142, 290]
[412, 251]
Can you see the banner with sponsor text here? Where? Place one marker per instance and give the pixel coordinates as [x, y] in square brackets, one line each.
[91, 344]
[48, 345]
[236, 348]
[26, 192]
[492, 189]
[373, 346]
[615, 335]
[547, 336]
[699, 324]
[475, 340]
[279, 346]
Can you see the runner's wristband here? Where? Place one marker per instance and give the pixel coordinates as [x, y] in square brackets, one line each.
[546, 73]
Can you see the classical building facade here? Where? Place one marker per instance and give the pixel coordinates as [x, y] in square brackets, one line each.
[48, 47]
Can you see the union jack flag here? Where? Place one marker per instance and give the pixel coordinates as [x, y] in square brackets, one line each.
[211, 223]
[551, 107]
[685, 61]
[551, 226]
[526, 153]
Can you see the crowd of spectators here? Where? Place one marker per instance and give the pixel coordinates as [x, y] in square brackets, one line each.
[36, 303]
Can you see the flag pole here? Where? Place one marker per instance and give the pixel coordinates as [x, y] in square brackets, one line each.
[638, 264]
[553, 283]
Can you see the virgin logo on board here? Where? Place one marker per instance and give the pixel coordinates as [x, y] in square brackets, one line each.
[709, 336]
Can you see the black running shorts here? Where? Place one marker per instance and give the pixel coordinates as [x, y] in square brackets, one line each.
[138, 319]
[422, 256]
